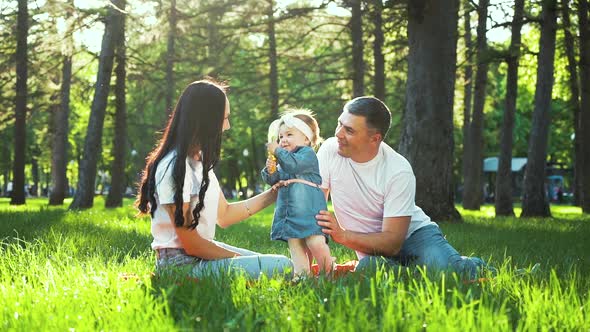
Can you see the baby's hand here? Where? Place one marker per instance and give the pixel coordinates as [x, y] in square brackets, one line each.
[271, 164]
[272, 146]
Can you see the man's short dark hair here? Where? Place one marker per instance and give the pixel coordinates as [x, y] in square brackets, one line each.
[374, 110]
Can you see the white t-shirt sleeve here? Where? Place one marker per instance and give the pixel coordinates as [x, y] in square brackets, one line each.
[165, 182]
[324, 162]
[400, 196]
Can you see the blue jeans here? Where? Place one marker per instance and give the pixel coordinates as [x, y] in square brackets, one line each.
[427, 247]
[251, 263]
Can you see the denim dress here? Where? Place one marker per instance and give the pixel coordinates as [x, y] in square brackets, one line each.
[298, 203]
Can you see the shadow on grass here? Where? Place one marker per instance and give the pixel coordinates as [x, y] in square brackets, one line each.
[201, 304]
[557, 243]
[25, 223]
[90, 234]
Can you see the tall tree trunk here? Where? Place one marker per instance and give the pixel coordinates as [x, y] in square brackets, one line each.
[118, 181]
[427, 138]
[575, 95]
[84, 197]
[256, 164]
[503, 193]
[171, 57]
[358, 65]
[468, 84]
[236, 171]
[214, 48]
[5, 182]
[473, 191]
[5, 160]
[378, 58]
[22, 32]
[34, 190]
[45, 189]
[534, 203]
[584, 120]
[59, 157]
[272, 57]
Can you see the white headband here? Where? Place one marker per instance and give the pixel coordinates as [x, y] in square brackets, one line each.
[292, 121]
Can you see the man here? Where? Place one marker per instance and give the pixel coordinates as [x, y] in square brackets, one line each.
[373, 189]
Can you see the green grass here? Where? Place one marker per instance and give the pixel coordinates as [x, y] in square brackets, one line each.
[62, 270]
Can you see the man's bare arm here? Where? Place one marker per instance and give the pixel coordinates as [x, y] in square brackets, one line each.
[326, 193]
[388, 242]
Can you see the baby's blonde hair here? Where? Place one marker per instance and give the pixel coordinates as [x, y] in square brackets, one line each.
[306, 116]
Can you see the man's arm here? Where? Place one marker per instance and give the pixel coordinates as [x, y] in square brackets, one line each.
[388, 242]
[326, 193]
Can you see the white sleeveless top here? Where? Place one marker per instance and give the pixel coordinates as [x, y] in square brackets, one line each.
[162, 227]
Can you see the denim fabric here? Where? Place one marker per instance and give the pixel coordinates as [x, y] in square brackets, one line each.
[298, 203]
[428, 247]
[251, 263]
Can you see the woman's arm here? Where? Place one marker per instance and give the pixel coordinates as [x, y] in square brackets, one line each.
[232, 213]
[191, 240]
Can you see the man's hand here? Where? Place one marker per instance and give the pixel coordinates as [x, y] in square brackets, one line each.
[331, 226]
[387, 242]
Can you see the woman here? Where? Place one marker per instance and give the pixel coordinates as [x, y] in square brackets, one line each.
[183, 196]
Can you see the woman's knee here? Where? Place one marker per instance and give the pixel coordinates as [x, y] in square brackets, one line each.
[251, 266]
[275, 264]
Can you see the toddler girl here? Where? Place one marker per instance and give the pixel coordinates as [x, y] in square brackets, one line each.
[301, 198]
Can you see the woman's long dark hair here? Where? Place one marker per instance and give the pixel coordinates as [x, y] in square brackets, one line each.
[195, 125]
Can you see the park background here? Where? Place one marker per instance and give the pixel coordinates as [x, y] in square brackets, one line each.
[87, 86]
[82, 105]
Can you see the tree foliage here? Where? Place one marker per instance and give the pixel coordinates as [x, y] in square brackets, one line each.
[230, 40]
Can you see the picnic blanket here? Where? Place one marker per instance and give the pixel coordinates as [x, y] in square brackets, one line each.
[339, 269]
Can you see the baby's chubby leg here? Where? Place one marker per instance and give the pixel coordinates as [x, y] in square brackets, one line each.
[301, 261]
[321, 252]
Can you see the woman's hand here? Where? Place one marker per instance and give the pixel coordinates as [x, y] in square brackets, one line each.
[281, 183]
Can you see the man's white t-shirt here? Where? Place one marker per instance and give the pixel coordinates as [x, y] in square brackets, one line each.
[162, 227]
[365, 193]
